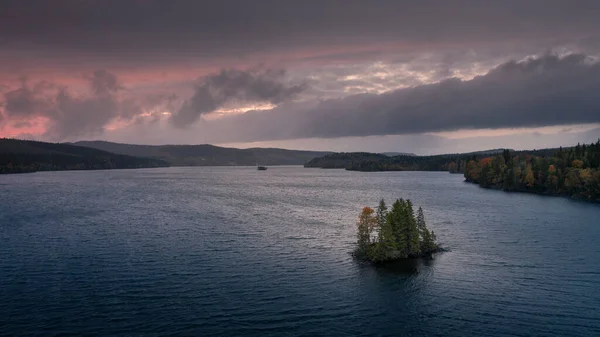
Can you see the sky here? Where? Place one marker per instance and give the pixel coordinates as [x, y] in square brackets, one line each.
[426, 77]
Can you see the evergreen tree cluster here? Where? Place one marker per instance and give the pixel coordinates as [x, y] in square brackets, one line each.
[395, 234]
[571, 172]
[451, 163]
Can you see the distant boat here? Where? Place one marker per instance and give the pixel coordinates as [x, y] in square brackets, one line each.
[262, 168]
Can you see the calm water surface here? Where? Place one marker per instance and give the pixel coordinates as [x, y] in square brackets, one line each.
[241, 252]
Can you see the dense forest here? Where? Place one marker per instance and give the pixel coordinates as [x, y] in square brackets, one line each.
[573, 172]
[369, 162]
[392, 235]
[343, 159]
[207, 155]
[410, 163]
[23, 156]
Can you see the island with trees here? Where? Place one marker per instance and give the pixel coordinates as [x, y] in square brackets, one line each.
[395, 234]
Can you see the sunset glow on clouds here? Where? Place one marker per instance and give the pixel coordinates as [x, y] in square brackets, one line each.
[338, 75]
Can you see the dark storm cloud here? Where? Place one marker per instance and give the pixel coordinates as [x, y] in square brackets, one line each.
[181, 28]
[68, 114]
[231, 85]
[104, 82]
[22, 102]
[545, 91]
[26, 100]
[74, 116]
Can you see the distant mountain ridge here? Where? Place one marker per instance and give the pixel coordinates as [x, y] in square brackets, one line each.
[208, 155]
[29, 156]
[21, 156]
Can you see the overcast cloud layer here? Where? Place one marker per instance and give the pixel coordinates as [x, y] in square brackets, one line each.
[225, 26]
[247, 71]
[538, 92]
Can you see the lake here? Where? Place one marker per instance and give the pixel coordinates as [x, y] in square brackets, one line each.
[232, 251]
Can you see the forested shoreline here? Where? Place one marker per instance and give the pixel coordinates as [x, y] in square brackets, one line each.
[372, 162]
[572, 172]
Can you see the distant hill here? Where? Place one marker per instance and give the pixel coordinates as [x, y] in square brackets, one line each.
[454, 162]
[484, 152]
[364, 161]
[208, 155]
[344, 159]
[394, 154]
[19, 156]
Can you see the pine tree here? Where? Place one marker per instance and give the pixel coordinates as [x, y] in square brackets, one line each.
[412, 230]
[427, 238]
[421, 226]
[385, 236]
[388, 239]
[381, 218]
[507, 158]
[398, 224]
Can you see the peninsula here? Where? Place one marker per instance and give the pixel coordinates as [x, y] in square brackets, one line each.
[572, 171]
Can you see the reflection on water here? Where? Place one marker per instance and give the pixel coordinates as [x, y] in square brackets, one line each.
[407, 267]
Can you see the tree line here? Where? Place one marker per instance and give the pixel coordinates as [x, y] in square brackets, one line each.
[395, 234]
[371, 162]
[573, 172]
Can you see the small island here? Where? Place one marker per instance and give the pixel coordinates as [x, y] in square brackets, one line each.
[394, 235]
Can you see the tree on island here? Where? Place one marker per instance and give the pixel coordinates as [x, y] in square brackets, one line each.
[398, 233]
[366, 224]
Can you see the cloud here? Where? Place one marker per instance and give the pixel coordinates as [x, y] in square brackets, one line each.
[543, 91]
[343, 48]
[21, 101]
[26, 100]
[70, 115]
[158, 31]
[104, 83]
[231, 85]
[80, 116]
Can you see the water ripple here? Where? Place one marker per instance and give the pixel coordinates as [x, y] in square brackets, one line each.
[233, 251]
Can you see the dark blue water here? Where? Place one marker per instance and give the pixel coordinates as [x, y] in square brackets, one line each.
[235, 251]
